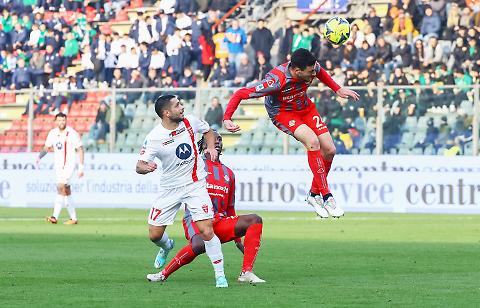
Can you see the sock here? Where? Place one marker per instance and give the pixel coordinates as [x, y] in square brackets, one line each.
[70, 207]
[58, 206]
[183, 257]
[164, 242]
[327, 164]
[315, 162]
[252, 245]
[325, 197]
[314, 191]
[213, 249]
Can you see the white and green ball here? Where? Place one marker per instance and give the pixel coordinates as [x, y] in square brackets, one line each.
[337, 30]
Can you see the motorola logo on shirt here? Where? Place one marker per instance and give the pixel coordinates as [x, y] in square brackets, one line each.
[59, 145]
[184, 151]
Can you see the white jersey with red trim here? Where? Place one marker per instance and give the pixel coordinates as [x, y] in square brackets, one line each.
[177, 151]
[64, 145]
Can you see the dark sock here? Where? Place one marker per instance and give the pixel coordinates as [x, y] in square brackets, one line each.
[314, 194]
[327, 196]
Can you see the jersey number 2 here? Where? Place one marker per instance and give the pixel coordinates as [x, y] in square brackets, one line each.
[317, 118]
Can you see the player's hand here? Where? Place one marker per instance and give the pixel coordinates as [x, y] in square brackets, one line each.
[150, 166]
[212, 153]
[230, 126]
[346, 93]
[240, 247]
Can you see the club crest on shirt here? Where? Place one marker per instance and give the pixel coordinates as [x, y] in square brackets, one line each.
[291, 123]
[59, 145]
[270, 82]
[183, 151]
[227, 178]
[205, 208]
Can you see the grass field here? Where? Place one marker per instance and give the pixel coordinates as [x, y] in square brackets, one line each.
[360, 260]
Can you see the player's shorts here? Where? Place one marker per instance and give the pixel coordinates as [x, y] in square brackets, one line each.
[224, 228]
[194, 196]
[64, 176]
[289, 121]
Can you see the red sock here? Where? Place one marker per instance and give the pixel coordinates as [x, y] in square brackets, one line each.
[183, 257]
[314, 189]
[327, 164]
[252, 245]
[315, 161]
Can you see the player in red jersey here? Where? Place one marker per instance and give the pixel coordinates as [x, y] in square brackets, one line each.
[227, 225]
[292, 112]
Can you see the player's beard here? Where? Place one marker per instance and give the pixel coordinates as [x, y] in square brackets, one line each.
[178, 118]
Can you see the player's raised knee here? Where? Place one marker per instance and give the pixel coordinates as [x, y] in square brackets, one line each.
[312, 144]
[256, 219]
[330, 151]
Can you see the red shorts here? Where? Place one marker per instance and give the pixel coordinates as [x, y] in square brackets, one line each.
[289, 121]
[224, 228]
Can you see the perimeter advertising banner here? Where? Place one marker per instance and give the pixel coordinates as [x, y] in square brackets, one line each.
[433, 184]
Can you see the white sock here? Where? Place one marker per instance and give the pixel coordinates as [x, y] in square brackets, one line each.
[57, 206]
[70, 207]
[213, 248]
[164, 242]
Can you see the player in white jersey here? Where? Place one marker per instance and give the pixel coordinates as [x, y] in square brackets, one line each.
[182, 180]
[65, 143]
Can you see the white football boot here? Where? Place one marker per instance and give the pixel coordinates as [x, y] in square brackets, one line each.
[317, 204]
[158, 277]
[249, 277]
[331, 206]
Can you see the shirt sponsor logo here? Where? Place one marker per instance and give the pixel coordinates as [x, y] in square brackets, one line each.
[177, 132]
[59, 145]
[217, 187]
[260, 87]
[167, 142]
[184, 151]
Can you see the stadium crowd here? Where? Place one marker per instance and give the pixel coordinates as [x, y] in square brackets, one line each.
[429, 42]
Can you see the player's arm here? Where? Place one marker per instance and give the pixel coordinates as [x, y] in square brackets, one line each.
[145, 163]
[81, 155]
[267, 86]
[210, 150]
[327, 80]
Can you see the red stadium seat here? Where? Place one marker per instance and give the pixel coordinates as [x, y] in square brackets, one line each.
[9, 98]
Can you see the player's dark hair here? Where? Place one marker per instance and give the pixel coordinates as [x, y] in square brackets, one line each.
[162, 103]
[202, 142]
[60, 115]
[301, 58]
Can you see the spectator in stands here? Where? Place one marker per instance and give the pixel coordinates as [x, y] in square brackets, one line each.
[71, 49]
[365, 35]
[221, 44]
[430, 136]
[21, 76]
[188, 80]
[262, 67]
[443, 134]
[74, 84]
[373, 20]
[236, 40]
[157, 60]
[403, 54]
[335, 54]
[433, 53]
[302, 40]
[285, 41]
[223, 75]
[37, 64]
[214, 114]
[384, 56]
[262, 40]
[144, 59]
[403, 26]
[431, 23]
[365, 57]
[135, 82]
[392, 129]
[244, 73]
[349, 55]
[87, 63]
[207, 47]
[152, 81]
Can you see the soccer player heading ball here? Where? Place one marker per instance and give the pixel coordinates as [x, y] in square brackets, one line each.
[292, 112]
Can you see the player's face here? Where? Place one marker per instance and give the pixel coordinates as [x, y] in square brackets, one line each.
[218, 143]
[175, 113]
[307, 74]
[61, 122]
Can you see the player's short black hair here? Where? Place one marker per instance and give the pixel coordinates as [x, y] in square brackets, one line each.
[60, 115]
[162, 103]
[301, 58]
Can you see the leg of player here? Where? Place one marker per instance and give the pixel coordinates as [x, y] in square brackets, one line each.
[69, 205]
[307, 136]
[159, 237]
[213, 249]
[57, 207]
[186, 255]
[249, 226]
[328, 150]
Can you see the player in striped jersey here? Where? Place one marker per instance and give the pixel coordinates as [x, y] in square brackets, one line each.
[292, 112]
[182, 180]
[65, 143]
[227, 225]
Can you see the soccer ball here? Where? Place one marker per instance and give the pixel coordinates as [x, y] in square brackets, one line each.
[337, 30]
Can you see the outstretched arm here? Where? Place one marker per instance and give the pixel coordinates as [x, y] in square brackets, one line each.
[267, 86]
[210, 150]
[144, 167]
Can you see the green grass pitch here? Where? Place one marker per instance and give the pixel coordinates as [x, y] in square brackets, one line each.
[370, 260]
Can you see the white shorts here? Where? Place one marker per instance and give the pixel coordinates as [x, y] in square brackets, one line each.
[64, 176]
[194, 196]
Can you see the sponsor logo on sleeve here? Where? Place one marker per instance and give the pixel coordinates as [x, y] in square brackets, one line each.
[291, 123]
